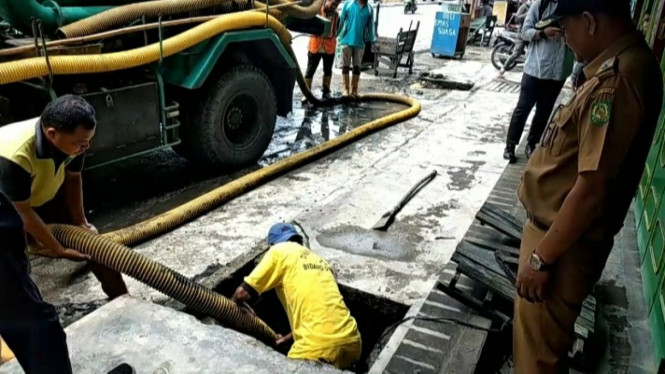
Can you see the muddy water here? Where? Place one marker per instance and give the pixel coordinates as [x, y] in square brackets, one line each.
[311, 126]
[137, 189]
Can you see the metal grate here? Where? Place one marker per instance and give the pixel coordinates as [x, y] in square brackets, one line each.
[502, 85]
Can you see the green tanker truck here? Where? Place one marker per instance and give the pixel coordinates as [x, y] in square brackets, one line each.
[214, 101]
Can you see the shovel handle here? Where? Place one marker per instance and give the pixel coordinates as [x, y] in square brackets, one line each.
[414, 190]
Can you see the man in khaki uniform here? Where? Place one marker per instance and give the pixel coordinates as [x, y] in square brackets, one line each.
[578, 185]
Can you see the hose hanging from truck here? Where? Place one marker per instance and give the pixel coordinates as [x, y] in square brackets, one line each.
[126, 13]
[28, 68]
[258, 7]
[110, 249]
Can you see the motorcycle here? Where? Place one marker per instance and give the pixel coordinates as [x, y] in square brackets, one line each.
[410, 6]
[504, 46]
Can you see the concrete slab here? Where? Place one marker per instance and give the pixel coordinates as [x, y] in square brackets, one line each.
[156, 339]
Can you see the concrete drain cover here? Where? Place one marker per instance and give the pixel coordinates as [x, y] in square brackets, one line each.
[502, 85]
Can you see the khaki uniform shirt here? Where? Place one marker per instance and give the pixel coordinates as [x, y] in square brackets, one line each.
[606, 127]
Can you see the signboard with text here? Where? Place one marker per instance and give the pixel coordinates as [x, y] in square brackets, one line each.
[446, 32]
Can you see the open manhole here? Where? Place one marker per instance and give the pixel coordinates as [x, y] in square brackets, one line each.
[375, 316]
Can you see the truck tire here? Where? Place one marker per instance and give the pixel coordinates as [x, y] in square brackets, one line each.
[500, 55]
[234, 123]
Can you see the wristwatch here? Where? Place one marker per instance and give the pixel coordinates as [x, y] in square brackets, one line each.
[537, 264]
[542, 34]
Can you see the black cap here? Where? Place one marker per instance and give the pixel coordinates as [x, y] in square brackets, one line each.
[565, 8]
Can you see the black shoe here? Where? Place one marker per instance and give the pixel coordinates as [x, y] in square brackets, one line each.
[509, 154]
[529, 150]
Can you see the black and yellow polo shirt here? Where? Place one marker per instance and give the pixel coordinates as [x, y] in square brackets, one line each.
[30, 166]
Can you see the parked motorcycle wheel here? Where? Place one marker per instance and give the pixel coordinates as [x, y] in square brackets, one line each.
[500, 54]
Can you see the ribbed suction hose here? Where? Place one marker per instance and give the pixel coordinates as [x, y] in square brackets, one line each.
[15, 71]
[120, 258]
[297, 11]
[272, 11]
[301, 11]
[192, 209]
[28, 68]
[122, 15]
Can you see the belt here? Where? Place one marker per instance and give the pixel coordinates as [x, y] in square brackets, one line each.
[585, 240]
[534, 221]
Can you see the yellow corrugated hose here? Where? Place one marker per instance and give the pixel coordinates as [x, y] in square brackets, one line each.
[213, 199]
[124, 14]
[273, 12]
[110, 249]
[160, 277]
[19, 70]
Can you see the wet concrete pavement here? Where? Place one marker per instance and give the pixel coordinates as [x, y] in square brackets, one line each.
[132, 191]
[336, 199]
[159, 340]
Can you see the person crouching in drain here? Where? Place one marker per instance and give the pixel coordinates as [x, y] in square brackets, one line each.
[322, 47]
[322, 327]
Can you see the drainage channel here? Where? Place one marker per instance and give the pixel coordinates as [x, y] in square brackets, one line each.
[374, 315]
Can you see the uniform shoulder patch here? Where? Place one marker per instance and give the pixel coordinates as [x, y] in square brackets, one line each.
[600, 112]
[609, 67]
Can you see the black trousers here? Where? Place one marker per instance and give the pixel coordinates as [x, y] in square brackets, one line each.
[28, 324]
[539, 92]
[313, 60]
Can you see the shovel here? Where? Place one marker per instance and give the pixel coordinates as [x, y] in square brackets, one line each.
[387, 218]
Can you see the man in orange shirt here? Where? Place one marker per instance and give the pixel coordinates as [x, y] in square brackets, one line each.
[323, 47]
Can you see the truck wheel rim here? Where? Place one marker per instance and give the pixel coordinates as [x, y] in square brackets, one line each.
[240, 120]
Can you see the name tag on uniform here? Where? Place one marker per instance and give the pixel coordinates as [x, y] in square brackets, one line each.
[603, 91]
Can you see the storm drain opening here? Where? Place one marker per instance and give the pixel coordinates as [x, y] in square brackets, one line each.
[376, 316]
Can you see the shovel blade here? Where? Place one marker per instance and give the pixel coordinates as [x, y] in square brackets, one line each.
[385, 221]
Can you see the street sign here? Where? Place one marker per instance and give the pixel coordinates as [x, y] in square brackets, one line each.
[445, 34]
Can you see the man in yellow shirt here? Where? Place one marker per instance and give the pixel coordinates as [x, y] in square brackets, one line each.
[40, 172]
[322, 327]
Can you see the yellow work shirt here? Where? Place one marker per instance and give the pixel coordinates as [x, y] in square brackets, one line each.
[30, 166]
[607, 127]
[306, 287]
